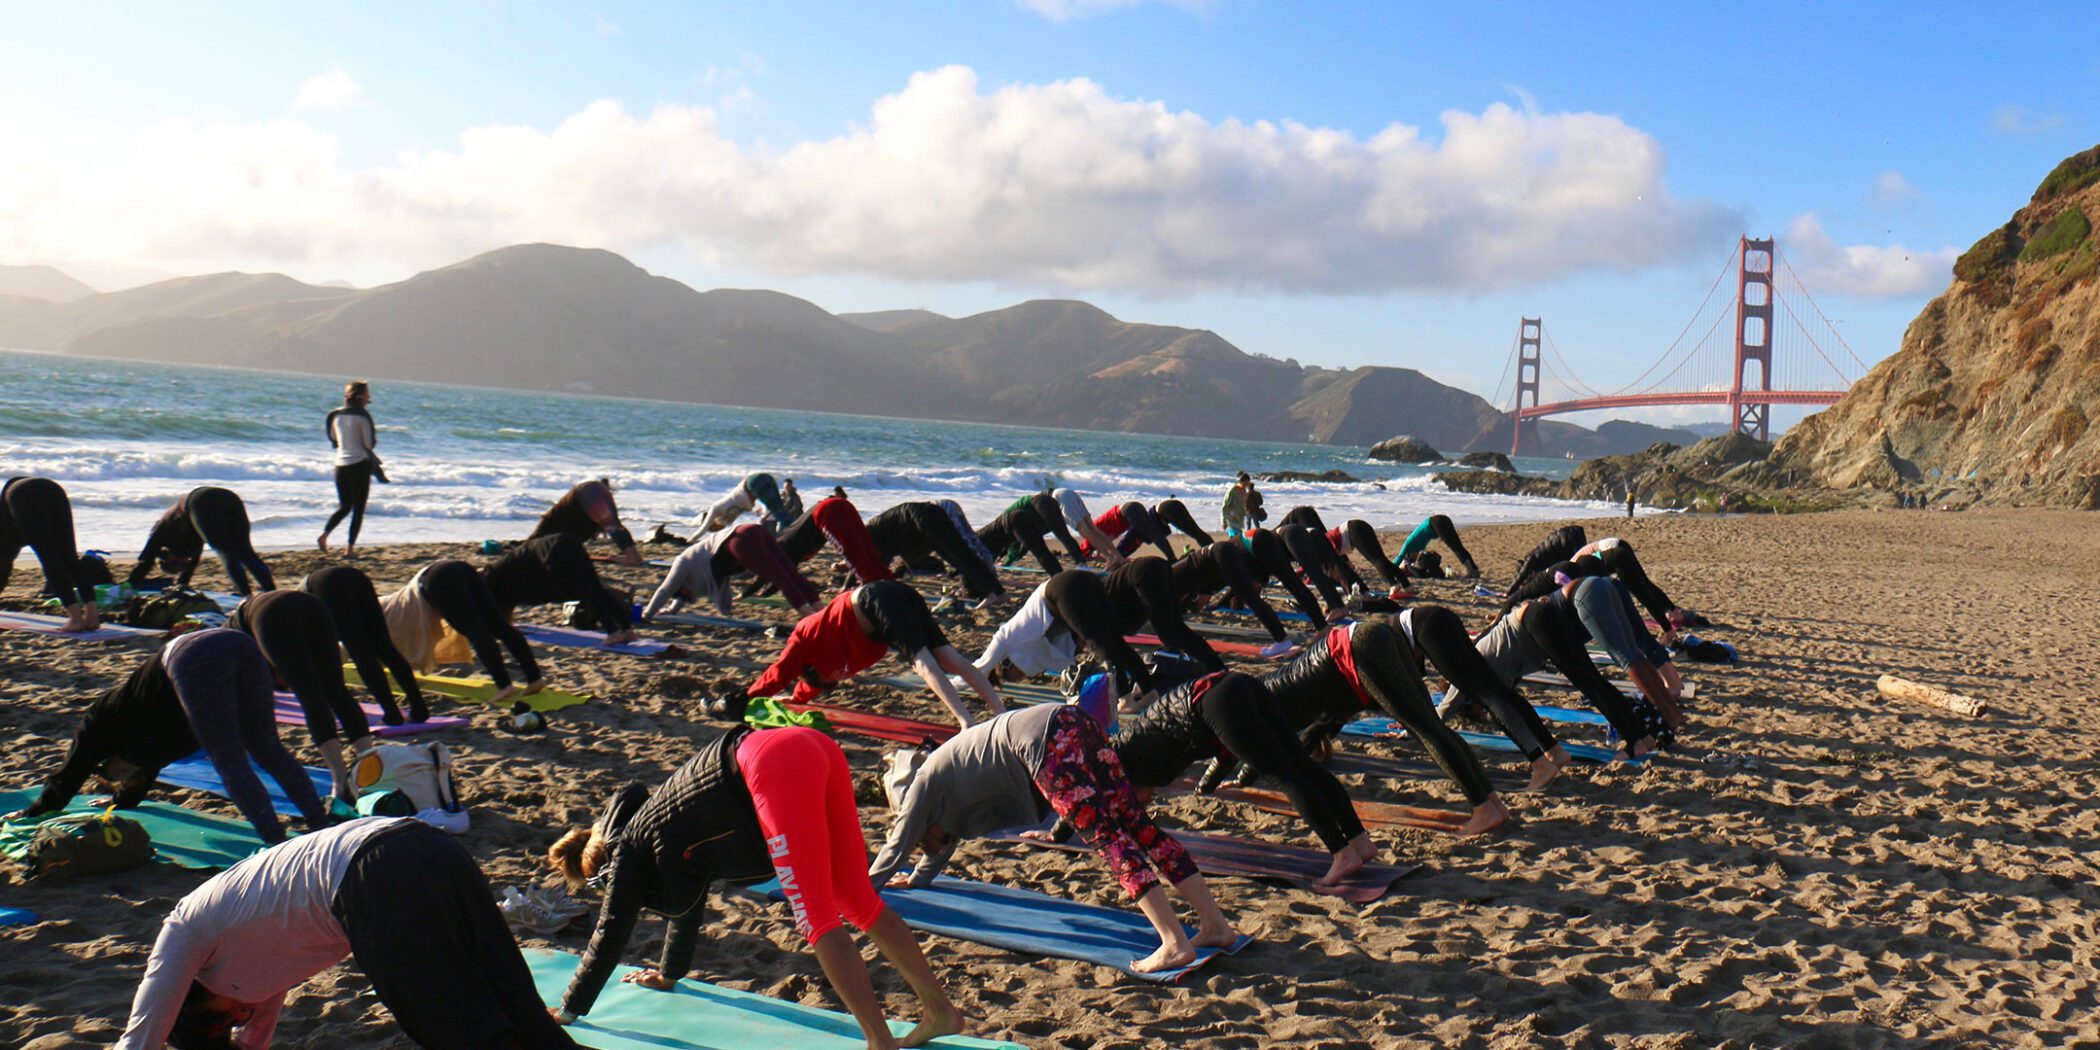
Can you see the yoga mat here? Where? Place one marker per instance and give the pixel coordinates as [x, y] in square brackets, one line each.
[1032, 923]
[572, 638]
[1344, 763]
[696, 1015]
[702, 620]
[1281, 612]
[478, 690]
[1227, 856]
[40, 624]
[1230, 630]
[1377, 727]
[289, 713]
[17, 917]
[881, 727]
[182, 837]
[1373, 814]
[1555, 678]
[197, 774]
[1235, 648]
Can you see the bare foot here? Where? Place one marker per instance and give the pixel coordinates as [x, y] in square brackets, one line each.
[76, 621]
[1487, 817]
[1166, 958]
[503, 696]
[1222, 937]
[322, 542]
[94, 616]
[1543, 771]
[534, 687]
[936, 1023]
[1640, 747]
[1347, 862]
[350, 553]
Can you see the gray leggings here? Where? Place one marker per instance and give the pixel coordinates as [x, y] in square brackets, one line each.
[224, 686]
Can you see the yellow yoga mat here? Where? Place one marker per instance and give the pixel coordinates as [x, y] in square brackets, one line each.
[478, 690]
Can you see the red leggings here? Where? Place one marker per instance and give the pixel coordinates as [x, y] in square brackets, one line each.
[842, 523]
[759, 552]
[803, 793]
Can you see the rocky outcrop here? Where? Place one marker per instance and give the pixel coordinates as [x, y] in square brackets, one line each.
[1325, 477]
[1992, 395]
[1405, 449]
[1726, 473]
[1487, 461]
[1498, 483]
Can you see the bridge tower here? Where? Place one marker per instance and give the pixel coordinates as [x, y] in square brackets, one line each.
[1521, 428]
[1753, 337]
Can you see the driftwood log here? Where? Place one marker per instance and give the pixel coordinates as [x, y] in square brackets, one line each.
[1905, 689]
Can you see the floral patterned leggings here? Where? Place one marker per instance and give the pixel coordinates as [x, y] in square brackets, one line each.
[1085, 784]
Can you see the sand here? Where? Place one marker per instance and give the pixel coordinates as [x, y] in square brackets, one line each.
[1816, 865]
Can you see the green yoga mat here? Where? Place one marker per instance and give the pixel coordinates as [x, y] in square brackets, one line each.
[182, 837]
[698, 1015]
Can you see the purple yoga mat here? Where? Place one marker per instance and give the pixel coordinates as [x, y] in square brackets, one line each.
[1227, 855]
[289, 713]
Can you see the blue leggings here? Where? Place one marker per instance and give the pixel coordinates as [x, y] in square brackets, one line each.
[224, 686]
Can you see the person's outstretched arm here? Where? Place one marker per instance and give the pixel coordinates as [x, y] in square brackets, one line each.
[929, 669]
[953, 662]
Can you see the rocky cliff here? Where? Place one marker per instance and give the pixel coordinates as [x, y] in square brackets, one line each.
[1992, 394]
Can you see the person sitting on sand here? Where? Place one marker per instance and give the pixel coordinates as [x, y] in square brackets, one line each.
[853, 633]
[583, 512]
[1243, 511]
[35, 513]
[208, 688]
[1021, 527]
[296, 634]
[921, 533]
[204, 515]
[1132, 525]
[360, 625]
[1550, 630]
[1014, 770]
[704, 570]
[401, 896]
[837, 519]
[450, 593]
[1175, 514]
[1202, 573]
[555, 569]
[1368, 664]
[1233, 714]
[754, 490]
[751, 805]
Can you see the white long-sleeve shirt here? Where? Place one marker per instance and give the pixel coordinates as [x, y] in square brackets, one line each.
[692, 576]
[1034, 639]
[252, 933]
[353, 439]
[726, 510]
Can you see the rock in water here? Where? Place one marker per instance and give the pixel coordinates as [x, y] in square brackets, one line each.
[1487, 461]
[1405, 449]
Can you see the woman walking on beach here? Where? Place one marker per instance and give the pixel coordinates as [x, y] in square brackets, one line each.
[352, 435]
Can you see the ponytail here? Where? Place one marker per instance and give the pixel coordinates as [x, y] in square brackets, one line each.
[578, 855]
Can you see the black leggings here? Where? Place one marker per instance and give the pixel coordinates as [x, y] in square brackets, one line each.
[1272, 560]
[1140, 528]
[1142, 590]
[939, 536]
[462, 597]
[297, 635]
[42, 519]
[1080, 601]
[353, 485]
[1390, 678]
[1363, 539]
[1245, 718]
[1557, 631]
[1020, 529]
[1444, 530]
[422, 922]
[361, 626]
[1620, 560]
[1175, 514]
[1441, 636]
[221, 519]
[1559, 545]
[1305, 517]
[1325, 568]
[1227, 566]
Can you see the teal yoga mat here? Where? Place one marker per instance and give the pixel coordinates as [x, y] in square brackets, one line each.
[184, 838]
[698, 1015]
[1375, 727]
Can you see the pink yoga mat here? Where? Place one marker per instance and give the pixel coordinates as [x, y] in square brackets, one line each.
[289, 713]
[39, 624]
[1229, 856]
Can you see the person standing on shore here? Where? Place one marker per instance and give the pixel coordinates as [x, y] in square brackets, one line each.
[1242, 507]
[352, 435]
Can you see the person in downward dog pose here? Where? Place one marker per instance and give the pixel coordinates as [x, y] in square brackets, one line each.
[1231, 713]
[360, 624]
[1201, 574]
[35, 513]
[1437, 638]
[705, 569]
[1014, 770]
[853, 633]
[555, 569]
[1368, 664]
[206, 515]
[208, 688]
[583, 512]
[297, 636]
[1613, 557]
[1078, 607]
[451, 594]
[1175, 514]
[1559, 545]
[753, 804]
[1081, 521]
[1271, 560]
[754, 490]
[923, 533]
[1019, 527]
[401, 896]
[1435, 527]
[1132, 525]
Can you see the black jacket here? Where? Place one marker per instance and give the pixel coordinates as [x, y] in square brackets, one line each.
[140, 721]
[698, 828]
[1170, 736]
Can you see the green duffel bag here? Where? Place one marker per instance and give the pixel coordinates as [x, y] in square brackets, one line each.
[165, 609]
[89, 844]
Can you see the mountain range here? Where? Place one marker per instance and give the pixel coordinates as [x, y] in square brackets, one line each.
[547, 317]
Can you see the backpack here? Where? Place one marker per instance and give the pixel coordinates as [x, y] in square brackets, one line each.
[89, 844]
[167, 608]
[422, 772]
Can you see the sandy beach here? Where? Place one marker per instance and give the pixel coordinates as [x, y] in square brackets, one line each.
[1814, 866]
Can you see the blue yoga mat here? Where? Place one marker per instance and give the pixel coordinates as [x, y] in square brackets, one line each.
[1033, 924]
[1487, 741]
[696, 1015]
[572, 638]
[182, 837]
[197, 774]
[692, 619]
[17, 917]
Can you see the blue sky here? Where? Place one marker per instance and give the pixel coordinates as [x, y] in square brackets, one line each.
[1281, 173]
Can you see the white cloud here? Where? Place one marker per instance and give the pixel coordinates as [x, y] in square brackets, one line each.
[1051, 185]
[334, 89]
[2010, 119]
[1862, 269]
[1891, 188]
[1071, 10]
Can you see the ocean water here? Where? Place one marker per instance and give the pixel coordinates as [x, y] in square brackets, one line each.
[127, 438]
